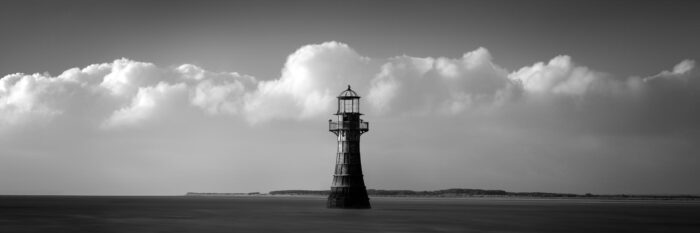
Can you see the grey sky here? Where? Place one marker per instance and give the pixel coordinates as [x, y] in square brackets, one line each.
[623, 37]
[454, 90]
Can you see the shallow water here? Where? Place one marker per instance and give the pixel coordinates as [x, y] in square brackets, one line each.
[308, 214]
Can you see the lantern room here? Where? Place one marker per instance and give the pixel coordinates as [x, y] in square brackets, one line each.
[348, 102]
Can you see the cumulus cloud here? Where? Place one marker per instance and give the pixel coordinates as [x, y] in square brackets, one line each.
[559, 76]
[147, 102]
[311, 78]
[568, 95]
[217, 93]
[680, 70]
[126, 77]
[440, 85]
[24, 97]
[677, 85]
[126, 92]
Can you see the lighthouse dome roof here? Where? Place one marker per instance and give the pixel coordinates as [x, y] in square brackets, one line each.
[348, 93]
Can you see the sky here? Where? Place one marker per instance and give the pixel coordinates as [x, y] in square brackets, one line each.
[169, 97]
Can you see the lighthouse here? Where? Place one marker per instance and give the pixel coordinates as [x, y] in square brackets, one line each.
[348, 189]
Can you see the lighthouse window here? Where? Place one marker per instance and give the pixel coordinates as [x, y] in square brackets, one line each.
[348, 105]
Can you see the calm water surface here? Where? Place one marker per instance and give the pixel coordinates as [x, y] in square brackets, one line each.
[308, 214]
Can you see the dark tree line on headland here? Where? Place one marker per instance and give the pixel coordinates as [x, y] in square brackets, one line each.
[436, 193]
[455, 192]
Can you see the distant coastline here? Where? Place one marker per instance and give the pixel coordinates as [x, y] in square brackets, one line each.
[461, 193]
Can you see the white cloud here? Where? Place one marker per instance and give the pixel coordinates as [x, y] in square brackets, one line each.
[120, 93]
[29, 97]
[439, 85]
[126, 92]
[215, 99]
[127, 76]
[684, 67]
[91, 75]
[149, 102]
[559, 76]
[680, 70]
[216, 93]
[311, 79]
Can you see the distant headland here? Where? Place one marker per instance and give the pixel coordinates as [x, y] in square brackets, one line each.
[460, 193]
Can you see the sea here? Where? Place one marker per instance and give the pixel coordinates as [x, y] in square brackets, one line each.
[94, 214]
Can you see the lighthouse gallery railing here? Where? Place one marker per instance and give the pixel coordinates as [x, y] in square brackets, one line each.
[340, 125]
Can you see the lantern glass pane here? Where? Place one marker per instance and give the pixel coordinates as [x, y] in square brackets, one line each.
[348, 105]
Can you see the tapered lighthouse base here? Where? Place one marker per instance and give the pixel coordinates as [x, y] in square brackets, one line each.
[348, 198]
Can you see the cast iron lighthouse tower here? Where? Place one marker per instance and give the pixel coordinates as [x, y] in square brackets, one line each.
[348, 188]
